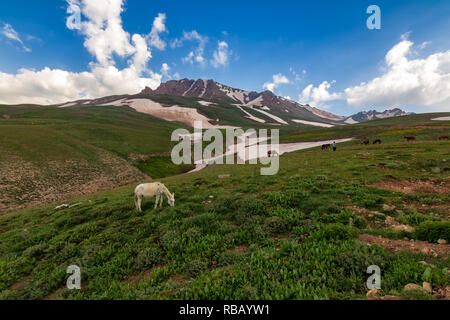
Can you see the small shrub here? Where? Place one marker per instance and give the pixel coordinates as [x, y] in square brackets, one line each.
[433, 231]
[360, 222]
[250, 293]
[37, 251]
[197, 266]
[275, 225]
[171, 240]
[148, 258]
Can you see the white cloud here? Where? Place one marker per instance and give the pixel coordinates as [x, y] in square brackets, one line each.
[196, 55]
[9, 32]
[417, 82]
[165, 71]
[158, 27]
[221, 56]
[278, 79]
[104, 39]
[316, 96]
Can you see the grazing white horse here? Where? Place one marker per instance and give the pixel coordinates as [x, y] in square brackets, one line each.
[149, 190]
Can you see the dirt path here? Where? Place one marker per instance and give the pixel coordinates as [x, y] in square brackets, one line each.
[441, 186]
[283, 148]
[405, 245]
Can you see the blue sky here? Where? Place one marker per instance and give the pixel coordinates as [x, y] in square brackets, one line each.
[321, 44]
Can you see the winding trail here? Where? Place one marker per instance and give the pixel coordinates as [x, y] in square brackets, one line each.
[283, 148]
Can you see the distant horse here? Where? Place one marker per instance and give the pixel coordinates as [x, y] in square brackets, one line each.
[272, 153]
[377, 141]
[365, 142]
[326, 146]
[150, 190]
[410, 138]
[444, 138]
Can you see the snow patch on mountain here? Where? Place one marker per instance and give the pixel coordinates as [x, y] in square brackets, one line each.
[312, 123]
[277, 119]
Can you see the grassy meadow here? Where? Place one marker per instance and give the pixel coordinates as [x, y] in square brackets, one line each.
[297, 235]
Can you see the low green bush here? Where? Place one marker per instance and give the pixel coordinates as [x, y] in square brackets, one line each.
[433, 231]
[275, 225]
[335, 232]
[148, 258]
[197, 266]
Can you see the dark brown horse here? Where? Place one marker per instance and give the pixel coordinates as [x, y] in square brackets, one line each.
[410, 138]
[365, 142]
[326, 146]
[377, 141]
[444, 138]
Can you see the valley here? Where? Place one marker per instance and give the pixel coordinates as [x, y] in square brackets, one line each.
[308, 232]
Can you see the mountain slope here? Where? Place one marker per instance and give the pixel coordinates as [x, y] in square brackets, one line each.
[266, 101]
[365, 116]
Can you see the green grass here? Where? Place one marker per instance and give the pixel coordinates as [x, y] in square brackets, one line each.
[289, 236]
[162, 166]
[68, 152]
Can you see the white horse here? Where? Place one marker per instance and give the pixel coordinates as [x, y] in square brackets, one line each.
[149, 190]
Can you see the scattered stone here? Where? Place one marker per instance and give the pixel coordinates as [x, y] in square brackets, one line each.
[373, 292]
[387, 207]
[413, 287]
[211, 197]
[387, 297]
[223, 176]
[442, 241]
[427, 287]
[442, 293]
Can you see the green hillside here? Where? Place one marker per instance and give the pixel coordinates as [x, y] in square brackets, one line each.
[49, 154]
[302, 234]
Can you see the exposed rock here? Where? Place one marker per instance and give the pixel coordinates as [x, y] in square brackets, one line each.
[387, 297]
[387, 207]
[413, 287]
[373, 292]
[427, 287]
[223, 176]
[442, 241]
[212, 90]
[442, 293]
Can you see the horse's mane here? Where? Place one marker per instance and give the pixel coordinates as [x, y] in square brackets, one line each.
[165, 190]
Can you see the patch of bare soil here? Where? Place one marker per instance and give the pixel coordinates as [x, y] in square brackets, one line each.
[440, 186]
[19, 285]
[25, 184]
[141, 277]
[54, 294]
[391, 223]
[178, 278]
[405, 245]
[238, 250]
